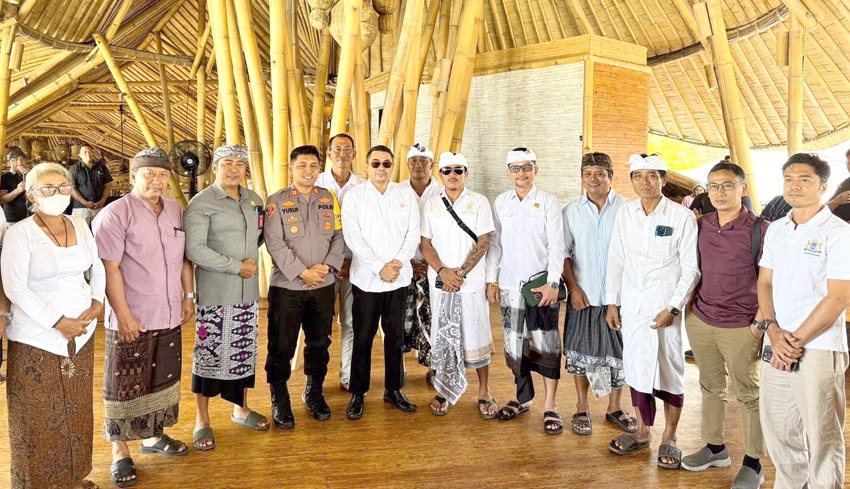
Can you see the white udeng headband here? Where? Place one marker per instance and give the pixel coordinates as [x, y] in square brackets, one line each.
[637, 162]
[424, 151]
[521, 156]
[449, 159]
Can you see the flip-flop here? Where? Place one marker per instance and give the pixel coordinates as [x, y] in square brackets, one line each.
[487, 404]
[577, 420]
[123, 468]
[252, 421]
[163, 445]
[622, 423]
[629, 443]
[551, 417]
[438, 412]
[203, 434]
[511, 410]
[669, 451]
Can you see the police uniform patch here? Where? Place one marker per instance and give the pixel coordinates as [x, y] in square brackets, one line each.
[270, 210]
[324, 200]
[315, 191]
[293, 219]
[293, 229]
[327, 226]
[326, 215]
[293, 192]
[289, 203]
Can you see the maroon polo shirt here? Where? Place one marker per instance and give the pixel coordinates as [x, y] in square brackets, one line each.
[726, 294]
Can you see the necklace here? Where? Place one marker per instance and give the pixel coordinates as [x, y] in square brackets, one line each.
[64, 228]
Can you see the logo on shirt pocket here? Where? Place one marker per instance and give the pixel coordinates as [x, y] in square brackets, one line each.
[814, 247]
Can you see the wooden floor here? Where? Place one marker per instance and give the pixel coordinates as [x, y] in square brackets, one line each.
[388, 448]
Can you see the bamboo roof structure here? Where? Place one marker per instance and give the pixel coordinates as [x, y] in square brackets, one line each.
[62, 89]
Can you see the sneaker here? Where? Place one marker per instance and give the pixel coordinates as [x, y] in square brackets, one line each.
[703, 459]
[748, 478]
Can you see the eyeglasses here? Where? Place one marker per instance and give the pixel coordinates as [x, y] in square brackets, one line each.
[50, 190]
[459, 170]
[342, 149]
[524, 168]
[726, 186]
[378, 164]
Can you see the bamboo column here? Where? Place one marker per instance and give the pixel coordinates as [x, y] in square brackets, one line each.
[404, 138]
[137, 111]
[442, 73]
[166, 97]
[201, 116]
[218, 129]
[461, 76]
[392, 108]
[258, 88]
[296, 110]
[317, 119]
[8, 39]
[226, 83]
[249, 126]
[796, 71]
[731, 97]
[347, 60]
[457, 135]
[360, 123]
[280, 105]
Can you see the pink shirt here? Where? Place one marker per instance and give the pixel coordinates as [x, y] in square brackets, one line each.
[150, 251]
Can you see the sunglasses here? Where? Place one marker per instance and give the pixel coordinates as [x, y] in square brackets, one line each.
[378, 164]
[524, 168]
[459, 170]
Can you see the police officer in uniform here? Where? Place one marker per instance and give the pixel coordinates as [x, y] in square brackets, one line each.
[303, 234]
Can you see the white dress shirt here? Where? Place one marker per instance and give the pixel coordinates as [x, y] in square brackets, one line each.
[529, 238]
[380, 228]
[803, 258]
[45, 282]
[451, 243]
[326, 180]
[433, 188]
[587, 236]
[648, 271]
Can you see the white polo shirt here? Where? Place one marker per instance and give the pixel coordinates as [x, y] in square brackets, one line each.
[434, 188]
[451, 243]
[380, 228]
[803, 258]
[326, 180]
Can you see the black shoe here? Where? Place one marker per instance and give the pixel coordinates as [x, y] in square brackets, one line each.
[689, 354]
[399, 400]
[314, 401]
[355, 407]
[281, 408]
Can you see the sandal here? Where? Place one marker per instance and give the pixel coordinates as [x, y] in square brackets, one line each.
[487, 405]
[629, 443]
[203, 434]
[553, 418]
[87, 484]
[616, 418]
[121, 469]
[577, 422]
[511, 410]
[669, 451]
[439, 411]
[252, 421]
[166, 446]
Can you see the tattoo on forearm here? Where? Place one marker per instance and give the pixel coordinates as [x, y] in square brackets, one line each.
[477, 253]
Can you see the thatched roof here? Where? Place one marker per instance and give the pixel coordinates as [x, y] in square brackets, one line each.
[83, 103]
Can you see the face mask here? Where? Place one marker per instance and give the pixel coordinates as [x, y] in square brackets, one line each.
[53, 205]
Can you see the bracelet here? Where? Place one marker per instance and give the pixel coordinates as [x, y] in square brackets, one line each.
[7, 315]
[189, 295]
[494, 284]
[440, 270]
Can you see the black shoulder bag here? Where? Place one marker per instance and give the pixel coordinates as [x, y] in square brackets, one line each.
[449, 207]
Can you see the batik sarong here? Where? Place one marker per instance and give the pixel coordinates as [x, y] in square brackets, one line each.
[531, 333]
[593, 349]
[141, 384]
[417, 321]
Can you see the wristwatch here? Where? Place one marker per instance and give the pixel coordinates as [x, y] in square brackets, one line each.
[673, 311]
[764, 324]
[332, 270]
[189, 295]
[7, 315]
[554, 285]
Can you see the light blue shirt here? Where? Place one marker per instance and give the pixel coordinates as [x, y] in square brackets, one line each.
[587, 236]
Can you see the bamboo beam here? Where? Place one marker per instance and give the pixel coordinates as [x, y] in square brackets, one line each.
[280, 105]
[249, 125]
[796, 69]
[8, 39]
[142, 84]
[461, 77]
[360, 113]
[579, 12]
[226, 83]
[731, 98]
[317, 119]
[166, 97]
[347, 60]
[202, 48]
[137, 111]
[800, 10]
[392, 108]
[497, 21]
[259, 97]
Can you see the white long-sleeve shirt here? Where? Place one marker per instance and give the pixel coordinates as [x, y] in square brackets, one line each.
[529, 238]
[380, 228]
[647, 271]
[434, 188]
[45, 282]
[326, 180]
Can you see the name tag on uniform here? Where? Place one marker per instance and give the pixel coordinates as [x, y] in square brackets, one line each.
[261, 216]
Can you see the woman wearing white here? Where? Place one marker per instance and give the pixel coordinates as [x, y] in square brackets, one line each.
[51, 355]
